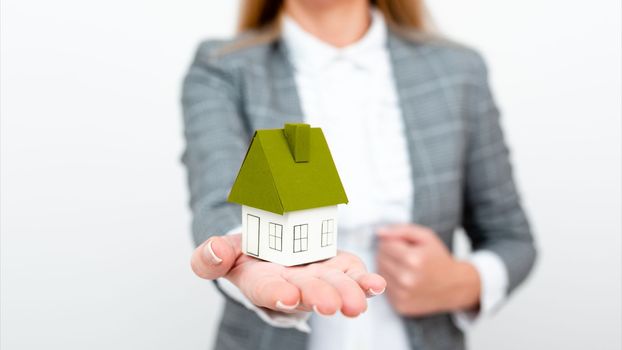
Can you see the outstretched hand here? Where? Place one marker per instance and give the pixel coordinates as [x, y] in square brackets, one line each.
[340, 283]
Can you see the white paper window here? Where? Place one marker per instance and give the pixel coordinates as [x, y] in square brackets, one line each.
[301, 238]
[327, 232]
[275, 236]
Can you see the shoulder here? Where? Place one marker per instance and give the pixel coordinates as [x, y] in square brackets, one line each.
[223, 66]
[247, 48]
[225, 62]
[443, 54]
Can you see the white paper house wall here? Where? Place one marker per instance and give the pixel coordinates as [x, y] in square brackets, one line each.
[289, 190]
[294, 238]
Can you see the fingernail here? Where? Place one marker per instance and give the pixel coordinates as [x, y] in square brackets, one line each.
[209, 253]
[285, 307]
[373, 293]
[317, 311]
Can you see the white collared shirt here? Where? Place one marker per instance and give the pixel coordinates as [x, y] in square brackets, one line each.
[350, 93]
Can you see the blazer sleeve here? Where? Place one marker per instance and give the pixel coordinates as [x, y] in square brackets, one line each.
[216, 141]
[493, 217]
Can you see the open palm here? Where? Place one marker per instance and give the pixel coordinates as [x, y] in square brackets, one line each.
[340, 283]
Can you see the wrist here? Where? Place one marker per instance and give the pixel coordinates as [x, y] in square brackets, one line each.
[466, 286]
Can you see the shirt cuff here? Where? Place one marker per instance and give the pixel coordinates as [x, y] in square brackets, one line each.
[298, 320]
[494, 283]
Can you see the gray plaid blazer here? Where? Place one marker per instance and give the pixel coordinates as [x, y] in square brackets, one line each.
[461, 170]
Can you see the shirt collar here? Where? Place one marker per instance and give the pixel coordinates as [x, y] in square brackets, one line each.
[308, 53]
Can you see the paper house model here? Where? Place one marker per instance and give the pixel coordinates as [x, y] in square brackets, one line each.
[289, 190]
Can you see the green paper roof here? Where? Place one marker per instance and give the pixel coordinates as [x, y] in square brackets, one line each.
[272, 180]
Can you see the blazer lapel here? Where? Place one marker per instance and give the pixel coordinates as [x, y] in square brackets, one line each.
[284, 94]
[411, 71]
[270, 94]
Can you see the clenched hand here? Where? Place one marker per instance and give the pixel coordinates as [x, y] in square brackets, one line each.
[422, 275]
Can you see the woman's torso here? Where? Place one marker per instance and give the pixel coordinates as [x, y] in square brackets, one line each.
[432, 81]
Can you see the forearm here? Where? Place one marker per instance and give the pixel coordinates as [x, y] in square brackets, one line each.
[465, 287]
[492, 285]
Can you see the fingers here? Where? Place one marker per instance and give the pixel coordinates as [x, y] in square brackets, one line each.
[387, 267]
[388, 270]
[215, 257]
[396, 275]
[410, 232]
[273, 292]
[316, 294]
[400, 252]
[353, 301]
[371, 284]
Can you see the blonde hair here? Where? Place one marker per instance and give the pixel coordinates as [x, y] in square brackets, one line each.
[258, 14]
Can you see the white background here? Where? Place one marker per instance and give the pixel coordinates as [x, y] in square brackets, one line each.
[95, 226]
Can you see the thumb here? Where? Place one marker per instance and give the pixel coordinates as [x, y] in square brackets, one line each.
[215, 257]
[410, 232]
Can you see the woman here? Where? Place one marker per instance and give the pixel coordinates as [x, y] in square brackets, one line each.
[415, 135]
